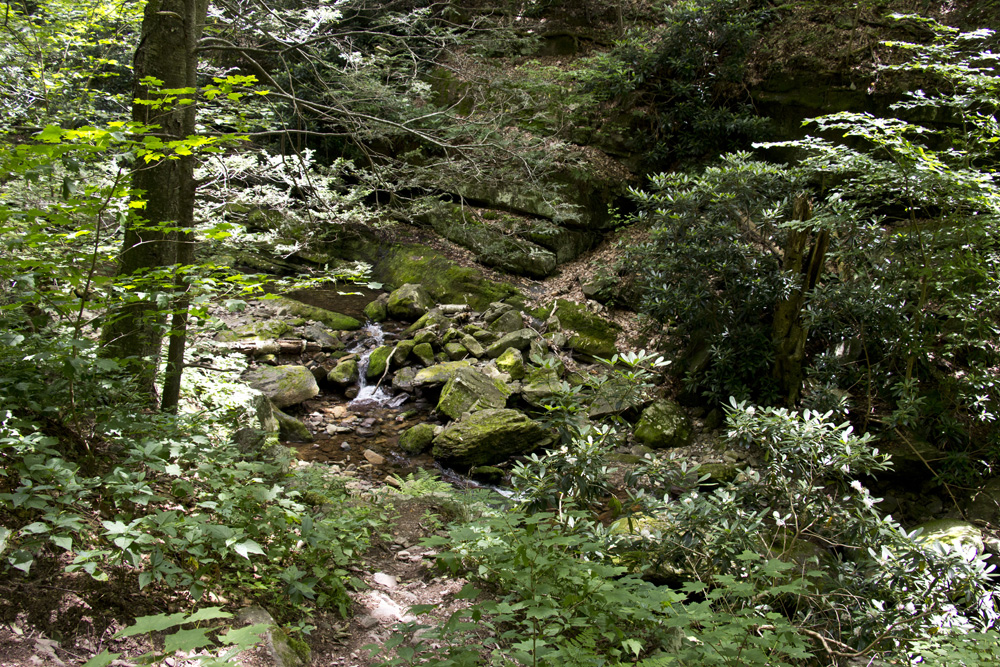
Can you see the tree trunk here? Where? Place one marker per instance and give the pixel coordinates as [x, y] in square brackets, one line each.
[788, 332]
[167, 51]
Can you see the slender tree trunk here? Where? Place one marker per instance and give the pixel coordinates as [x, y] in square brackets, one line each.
[789, 333]
[167, 52]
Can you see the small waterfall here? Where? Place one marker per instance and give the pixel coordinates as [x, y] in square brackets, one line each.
[369, 395]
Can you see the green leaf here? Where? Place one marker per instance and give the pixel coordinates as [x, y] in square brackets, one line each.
[102, 659]
[248, 636]
[21, 560]
[147, 624]
[208, 614]
[187, 640]
[4, 535]
[63, 542]
[246, 548]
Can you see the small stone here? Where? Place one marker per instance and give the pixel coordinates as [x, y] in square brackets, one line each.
[383, 579]
[346, 446]
[373, 458]
[367, 621]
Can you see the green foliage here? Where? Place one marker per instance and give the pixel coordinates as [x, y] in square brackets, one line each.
[690, 71]
[192, 641]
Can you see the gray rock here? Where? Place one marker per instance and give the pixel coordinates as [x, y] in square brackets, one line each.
[425, 353]
[539, 384]
[260, 427]
[319, 334]
[456, 351]
[402, 380]
[292, 429]
[284, 385]
[402, 351]
[472, 345]
[520, 340]
[507, 322]
[664, 424]
[409, 302]
[285, 651]
[468, 391]
[986, 503]
[378, 311]
[488, 437]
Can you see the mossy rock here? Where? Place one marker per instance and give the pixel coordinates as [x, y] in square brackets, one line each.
[491, 245]
[519, 340]
[378, 362]
[430, 319]
[284, 385]
[292, 429]
[266, 330]
[376, 311]
[593, 335]
[439, 374]
[468, 391]
[444, 280]
[664, 424]
[953, 533]
[487, 474]
[511, 362]
[472, 345]
[456, 351]
[425, 353]
[417, 439]
[402, 351]
[409, 302]
[506, 323]
[345, 373]
[540, 384]
[335, 321]
[488, 437]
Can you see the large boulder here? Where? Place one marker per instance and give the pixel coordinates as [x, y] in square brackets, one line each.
[292, 429]
[613, 397]
[284, 385]
[438, 374]
[592, 334]
[511, 362]
[540, 384]
[335, 321]
[417, 439]
[258, 426]
[378, 362]
[664, 424]
[344, 373]
[953, 533]
[468, 391]
[488, 437]
[409, 302]
[491, 244]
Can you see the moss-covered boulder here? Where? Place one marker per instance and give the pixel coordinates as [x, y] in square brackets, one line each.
[378, 362]
[985, 504]
[417, 439]
[446, 281]
[402, 351]
[284, 385]
[455, 351]
[664, 424]
[438, 374]
[953, 533]
[507, 322]
[614, 397]
[335, 321]
[474, 347]
[377, 311]
[468, 391]
[292, 429]
[344, 373]
[511, 362]
[409, 302]
[490, 244]
[425, 353]
[488, 437]
[265, 330]
[432, 319]
[519, 340]
[540, 384]
[592, 334]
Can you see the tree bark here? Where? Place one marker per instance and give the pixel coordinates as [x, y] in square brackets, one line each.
[788, 332]
[167, 51]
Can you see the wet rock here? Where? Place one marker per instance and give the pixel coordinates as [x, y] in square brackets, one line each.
[417, 440]
[488, 437]
[468, 391]
[373, 457]
[520, 340]
[409, 302]
[345, 373]
[953, 533]
[664, 424]
[378, 362]
[284, 385]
